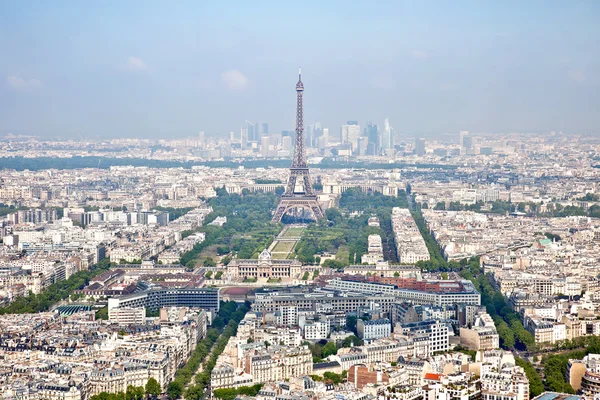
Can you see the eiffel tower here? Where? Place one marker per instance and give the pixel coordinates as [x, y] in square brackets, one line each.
[304, 198]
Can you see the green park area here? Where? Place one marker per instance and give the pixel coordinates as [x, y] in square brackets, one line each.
[294, 231]
[283, 247]
[249, 230]
[246, 233]
[345, 231]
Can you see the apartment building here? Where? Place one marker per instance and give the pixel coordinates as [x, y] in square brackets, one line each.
[409, 243]
[127, 316]
[374, 329]
[278, 363]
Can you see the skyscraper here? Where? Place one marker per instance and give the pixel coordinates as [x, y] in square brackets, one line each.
[373, 140]
[350, 134]
[462, 135]
[250, 132]
[310, 135]
[387, 140]
[244, 137]
[286, 143]
[324, 139]
[260, 129]
[420, 147]
[361, 148]
[265, 142]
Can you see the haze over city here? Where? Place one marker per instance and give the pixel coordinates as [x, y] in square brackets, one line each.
[186, 214]
[162, 70]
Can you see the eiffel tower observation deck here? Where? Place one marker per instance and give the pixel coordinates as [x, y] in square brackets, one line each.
[299, 194]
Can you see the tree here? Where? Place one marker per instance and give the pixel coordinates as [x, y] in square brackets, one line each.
[440, 206]
[329, 349]
[152, 387]
[352, 340]
[194, 392]
[226, 393]
[209, 262]
[174, 390]
[351, 322]
[333, 377]
[134, 393]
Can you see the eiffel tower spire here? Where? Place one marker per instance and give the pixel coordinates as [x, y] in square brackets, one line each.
[305, 198]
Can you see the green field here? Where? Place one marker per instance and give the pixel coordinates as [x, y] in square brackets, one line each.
[293, 232]
[283, 247]
[280, 256]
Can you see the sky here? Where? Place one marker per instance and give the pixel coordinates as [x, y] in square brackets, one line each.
[164, 69]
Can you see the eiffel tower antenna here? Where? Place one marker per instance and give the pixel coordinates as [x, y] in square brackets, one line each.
[305, 198]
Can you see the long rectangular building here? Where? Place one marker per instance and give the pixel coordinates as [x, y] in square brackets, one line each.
[336, 302]
[438, 293]
[154, 299]
[439, 299]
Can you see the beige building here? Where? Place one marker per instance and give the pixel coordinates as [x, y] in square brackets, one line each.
[264, 267]
[482, 336]
[117, 380]
[127, 316]
[279, 364]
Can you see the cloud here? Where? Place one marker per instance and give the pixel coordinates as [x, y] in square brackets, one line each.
[22, 84]
[135, 64]
[419, 54]
[577, 75]
[234, 79]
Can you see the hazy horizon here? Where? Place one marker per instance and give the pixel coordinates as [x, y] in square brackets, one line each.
[160, 70]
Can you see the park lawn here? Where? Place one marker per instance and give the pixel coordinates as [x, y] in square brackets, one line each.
[343, 254]
[210, 251]
[293, 232]
[283, 247]
[280, 256]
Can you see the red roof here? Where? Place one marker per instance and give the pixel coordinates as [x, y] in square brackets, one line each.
[236, 291]
[433, 377]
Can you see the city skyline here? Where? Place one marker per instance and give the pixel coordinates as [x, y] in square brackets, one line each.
[430, 68]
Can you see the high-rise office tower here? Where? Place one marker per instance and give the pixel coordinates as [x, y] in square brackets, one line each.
[373, 139]
[324, 139]
[387, 138]
[275, 139]
[286, 143]
[420, 147]
[258, 130]
[251, 132]
[371, 151]
[261, 129]
[462, 135]
[310, 135]
[469, 144]
[265, 142]
[350, 134]
[361, 148]
[201, 138]
[244, 137]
